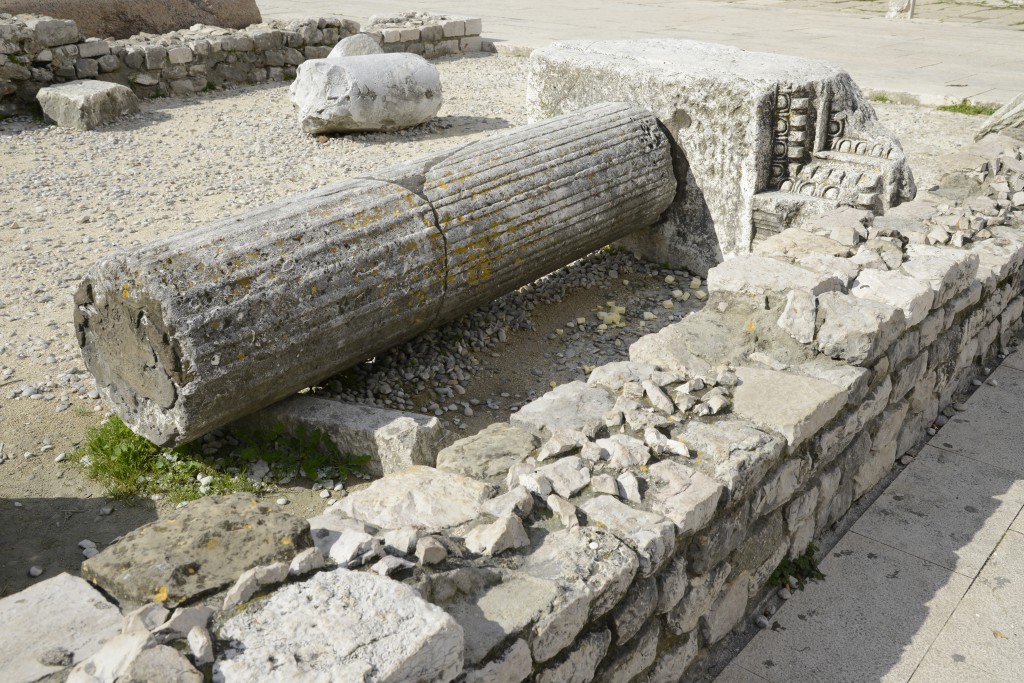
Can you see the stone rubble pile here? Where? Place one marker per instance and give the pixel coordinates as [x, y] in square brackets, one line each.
[38, 51]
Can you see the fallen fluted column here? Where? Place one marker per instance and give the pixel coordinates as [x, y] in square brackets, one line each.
[188, 333]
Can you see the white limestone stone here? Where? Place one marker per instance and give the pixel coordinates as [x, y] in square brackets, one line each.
[516, 501]
[135, 656]
[513, 666]
[704, 589]
[84, 105]
[495, 538]
[365, 93]
[574, 406]
[342, 626]
[581, 662]
[728, 610]
[796, 407]
[799, 315]
[564, 510]
[393, 439]
[613, 375]
[201, 645]
[252, 581]
[947, 271]
[63, 612]
[355, 46]
[429, 551]
[650, 535]
[762, 275]
[568, 476]
[305, 562]
[856, 330]
[623, 451]
[683, 494]
[716, 103]
[913, 297]
[421, 497]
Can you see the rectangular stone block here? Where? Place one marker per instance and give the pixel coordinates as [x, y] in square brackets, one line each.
[474, 26]
[93, 48]
[179, 55]
[454, 29]
[763, 275]
[796, 407]
[409, 35]
[471, 44]
[650, 535]
[947, 271]
[392, 35]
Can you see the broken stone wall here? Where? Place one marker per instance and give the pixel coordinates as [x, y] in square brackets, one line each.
[39, 51]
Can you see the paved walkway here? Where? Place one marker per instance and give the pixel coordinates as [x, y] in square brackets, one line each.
[928, 585]
[924, 60]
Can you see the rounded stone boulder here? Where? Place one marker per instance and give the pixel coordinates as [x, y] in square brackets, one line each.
[360, 44]
[365, 93]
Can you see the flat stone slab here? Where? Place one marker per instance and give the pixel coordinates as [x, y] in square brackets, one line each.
[393, 439]
[575, 406]
[947, 271]
[196, 549]
[343, 626]
[683, 494]
[84, 105]
[856, 330]
[63, 612]
[947, 509]
[794, 406]
[984, 633]
[420, 497]
[491, 452]
[650, 535]
[762, 275]
[873, 618]
[901, 291]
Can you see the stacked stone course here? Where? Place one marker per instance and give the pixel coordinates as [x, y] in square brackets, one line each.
[38, 51]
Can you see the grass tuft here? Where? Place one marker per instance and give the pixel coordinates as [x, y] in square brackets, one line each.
[130, 466]
[969, 108]
[803, 569]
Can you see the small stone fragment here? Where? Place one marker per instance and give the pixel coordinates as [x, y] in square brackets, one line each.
[430, 551]
[495, 538]
[201, 645]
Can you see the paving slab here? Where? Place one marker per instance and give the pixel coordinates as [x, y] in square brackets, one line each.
[1018, 524]
[871, 619]
[987, 630]
[990, 430]
[940, 667]
[945, 508]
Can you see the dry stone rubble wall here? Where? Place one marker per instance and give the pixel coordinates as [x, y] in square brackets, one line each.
[39, 51]
[618, 529]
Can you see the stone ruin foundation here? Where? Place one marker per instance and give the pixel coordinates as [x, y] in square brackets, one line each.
[39, 51]
[615, 529]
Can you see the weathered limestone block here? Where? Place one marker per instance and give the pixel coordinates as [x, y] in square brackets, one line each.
[198, 548]
[393, 439]
[420, 497]
[739, 454]
[613, 375]
[365, 93]
[796, 407]
[63, 612]
[856, 330]
[489, 453]
[126, 18]
[683, 494]
[674, 657]
[799, 315]
[797, 130]
[650, 535]
[631, 661]
[48, 31]
[727, 611]
[343, 626]
[704, 590]
[495, 538]
[514, 666]
[574, 406]
[1010, 115]
[794, 244]
[634, 610]
[947, 271]
[84, 105]
[581, 663]
[913, 297]
[767, 276]
[265, 304]
[354, 46]
[135, 656]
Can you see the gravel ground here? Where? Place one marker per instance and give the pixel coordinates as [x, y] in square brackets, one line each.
[70, 197]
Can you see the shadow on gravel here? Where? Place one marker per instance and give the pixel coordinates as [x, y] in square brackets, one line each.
[44, 532]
